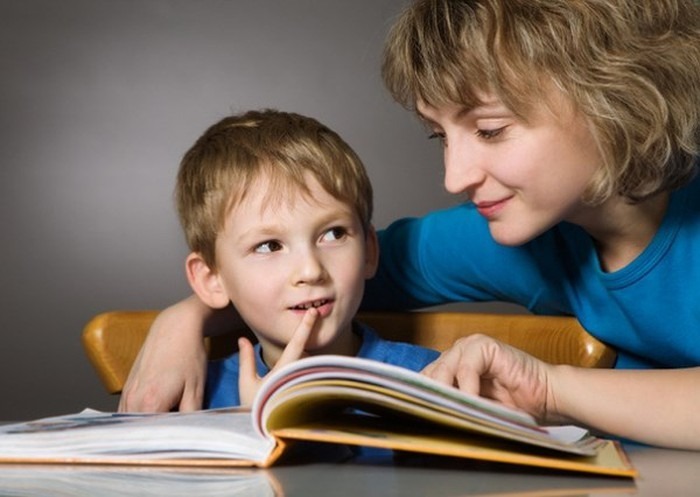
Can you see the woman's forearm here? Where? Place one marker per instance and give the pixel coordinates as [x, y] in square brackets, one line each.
[193, 315]
[658, 407]
[169, 371]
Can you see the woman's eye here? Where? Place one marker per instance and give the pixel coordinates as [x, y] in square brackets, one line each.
[488, 134]
[335, 233]
[267, 247]
[441, 137]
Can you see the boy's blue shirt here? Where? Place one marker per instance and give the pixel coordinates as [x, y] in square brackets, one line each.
[222, 375]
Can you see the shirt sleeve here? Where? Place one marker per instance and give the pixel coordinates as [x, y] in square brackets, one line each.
[446, 256]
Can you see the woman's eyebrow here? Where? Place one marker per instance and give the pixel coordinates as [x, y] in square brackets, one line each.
[458, 113]
[425, 120]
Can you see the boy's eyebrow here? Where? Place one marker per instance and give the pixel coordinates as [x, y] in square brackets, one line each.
[275, 228]
[259, 231]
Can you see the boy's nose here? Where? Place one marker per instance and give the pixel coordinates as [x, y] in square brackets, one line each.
[309, 269]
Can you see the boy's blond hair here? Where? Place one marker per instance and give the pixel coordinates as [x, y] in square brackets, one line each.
[632, 67]
[217, 171]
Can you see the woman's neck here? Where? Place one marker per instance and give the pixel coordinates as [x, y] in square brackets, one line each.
[621, 231]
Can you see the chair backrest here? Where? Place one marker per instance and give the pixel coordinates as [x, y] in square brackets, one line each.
[113, 339]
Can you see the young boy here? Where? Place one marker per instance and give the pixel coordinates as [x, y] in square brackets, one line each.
[276, 209]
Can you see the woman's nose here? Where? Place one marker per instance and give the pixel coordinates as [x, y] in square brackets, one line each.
[462, 170]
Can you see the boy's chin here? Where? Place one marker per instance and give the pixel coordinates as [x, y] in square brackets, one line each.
[321, 343]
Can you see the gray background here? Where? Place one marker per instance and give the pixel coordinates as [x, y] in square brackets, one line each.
[99, 100]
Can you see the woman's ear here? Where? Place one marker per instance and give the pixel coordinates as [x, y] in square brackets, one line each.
[205, 282]
[371, 252]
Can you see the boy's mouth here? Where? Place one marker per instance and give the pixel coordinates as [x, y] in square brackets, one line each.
[308, 305]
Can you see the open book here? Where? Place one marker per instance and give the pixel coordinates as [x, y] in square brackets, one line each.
[330, 399]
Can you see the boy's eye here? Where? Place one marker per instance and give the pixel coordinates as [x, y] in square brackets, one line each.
[335, 233]
[488, 134]
[268, 247]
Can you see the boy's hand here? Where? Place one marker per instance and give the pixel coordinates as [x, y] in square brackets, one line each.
[480, 365]
[248, 380]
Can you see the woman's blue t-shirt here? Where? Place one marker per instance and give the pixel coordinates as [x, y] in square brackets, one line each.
[648, 311]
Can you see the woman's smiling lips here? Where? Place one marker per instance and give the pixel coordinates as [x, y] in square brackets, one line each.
[489, 208]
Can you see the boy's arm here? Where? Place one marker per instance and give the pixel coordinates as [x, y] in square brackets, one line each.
[657, 407]
[170, 369]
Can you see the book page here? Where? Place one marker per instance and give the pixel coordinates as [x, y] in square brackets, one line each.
[392, 387]
[304, 403]
[223, 433]
[393, 377]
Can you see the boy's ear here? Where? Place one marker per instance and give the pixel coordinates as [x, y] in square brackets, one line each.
[371, 252]
[205, 282]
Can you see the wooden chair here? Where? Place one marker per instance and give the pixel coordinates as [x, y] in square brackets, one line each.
[113, 339]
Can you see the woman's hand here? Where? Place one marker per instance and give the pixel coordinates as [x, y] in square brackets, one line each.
[170, 369]
[483, 366]
[657, 407]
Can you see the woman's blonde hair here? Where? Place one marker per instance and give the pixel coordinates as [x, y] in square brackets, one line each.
[632, 67]
[282, 147]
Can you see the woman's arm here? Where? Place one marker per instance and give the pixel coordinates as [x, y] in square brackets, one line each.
[170, 370]
[658, 407]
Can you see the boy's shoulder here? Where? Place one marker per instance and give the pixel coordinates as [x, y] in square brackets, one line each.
[221, 388]
[402, 354]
